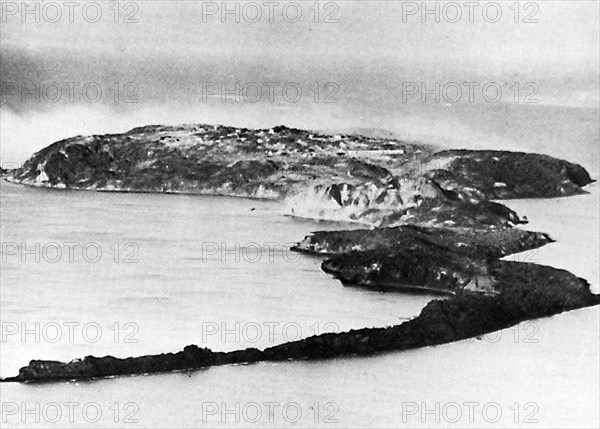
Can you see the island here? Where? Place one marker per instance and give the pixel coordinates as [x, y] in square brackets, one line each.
[431, 222]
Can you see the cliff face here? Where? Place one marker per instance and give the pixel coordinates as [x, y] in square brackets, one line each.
[413, 201]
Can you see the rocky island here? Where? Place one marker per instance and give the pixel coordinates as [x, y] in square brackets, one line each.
[373, 181]
[429, 225]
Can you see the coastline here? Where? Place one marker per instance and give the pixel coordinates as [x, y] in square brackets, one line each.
[443, 251]
[206, 193]
[574, 223]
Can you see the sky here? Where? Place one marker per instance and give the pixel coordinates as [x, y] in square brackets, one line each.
[156, 63]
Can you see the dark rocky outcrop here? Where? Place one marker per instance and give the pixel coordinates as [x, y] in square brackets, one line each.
[422, 259]
[504, 175]
[525, 291]
[415, 267]
[91, 367]
[484, 243]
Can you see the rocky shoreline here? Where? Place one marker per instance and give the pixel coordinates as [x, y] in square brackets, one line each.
[456, 259]
[432, 226]
[526, 291]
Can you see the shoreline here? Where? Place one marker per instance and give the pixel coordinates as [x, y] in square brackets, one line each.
[415, 333]
[440, 232]
[136, 191]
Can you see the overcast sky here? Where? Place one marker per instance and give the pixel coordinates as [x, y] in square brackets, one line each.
[567, 32]
[369, 51]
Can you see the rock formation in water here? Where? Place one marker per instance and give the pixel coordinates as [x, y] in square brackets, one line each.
[524, 291]
[426, 259]
[437, 229]
[504, 175]
[374, 181]
[213, 160]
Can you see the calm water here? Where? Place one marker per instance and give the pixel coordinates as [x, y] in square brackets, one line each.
[178, 269]
[187, 287]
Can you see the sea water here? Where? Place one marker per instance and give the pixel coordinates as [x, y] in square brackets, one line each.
[141, 273]
[179, 283]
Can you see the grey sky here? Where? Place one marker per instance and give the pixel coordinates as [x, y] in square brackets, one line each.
[567, 33]
[369, 53]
